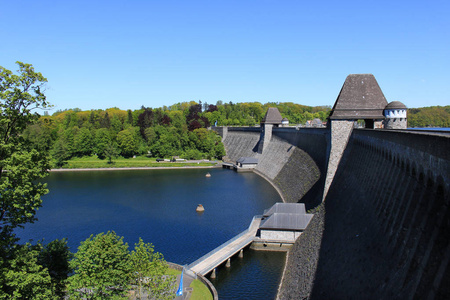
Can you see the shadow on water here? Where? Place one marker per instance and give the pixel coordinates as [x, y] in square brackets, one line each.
[250, 277]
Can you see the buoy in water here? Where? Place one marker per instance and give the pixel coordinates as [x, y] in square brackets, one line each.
[200, 208]
[208, 175]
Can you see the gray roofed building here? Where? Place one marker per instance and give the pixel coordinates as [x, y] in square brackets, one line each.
[280, 207]
[286, 221]
[272, 116]
[359, 98]
[246, 164]
[247, 160]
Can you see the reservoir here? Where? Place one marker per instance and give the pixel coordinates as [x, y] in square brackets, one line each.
[159, 206]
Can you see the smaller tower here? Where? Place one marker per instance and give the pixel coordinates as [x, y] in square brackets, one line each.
[395, 114]
[272, 119]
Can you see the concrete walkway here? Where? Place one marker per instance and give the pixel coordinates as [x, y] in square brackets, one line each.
[187, 280]
[219, 255]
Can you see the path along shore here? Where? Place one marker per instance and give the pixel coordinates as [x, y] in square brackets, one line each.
[134, 168]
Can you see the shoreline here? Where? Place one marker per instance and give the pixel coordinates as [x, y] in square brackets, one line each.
[132, 168]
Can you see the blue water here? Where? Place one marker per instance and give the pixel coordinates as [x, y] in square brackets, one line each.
[431, 128]
[159, 206]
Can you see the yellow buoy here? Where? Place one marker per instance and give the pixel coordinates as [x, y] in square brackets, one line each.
[200, 208]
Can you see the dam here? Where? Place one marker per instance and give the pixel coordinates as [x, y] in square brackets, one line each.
[380, 198]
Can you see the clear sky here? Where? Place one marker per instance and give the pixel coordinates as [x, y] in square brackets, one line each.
[101, 54]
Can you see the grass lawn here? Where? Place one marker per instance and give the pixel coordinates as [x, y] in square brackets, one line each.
[200, 291]
[139, 161]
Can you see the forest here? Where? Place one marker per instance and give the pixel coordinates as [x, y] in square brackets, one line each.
[432, 116]
[178, 130]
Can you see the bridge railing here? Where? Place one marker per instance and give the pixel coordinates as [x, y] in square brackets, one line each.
[212, 252]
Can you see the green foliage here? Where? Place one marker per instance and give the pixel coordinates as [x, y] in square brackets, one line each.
[111, 151]
[433, 116]
[22, 277]
[101, 268]
[128, 142]
[102, 142]
[165, 132]
[60, 153]
[83, 142]
[55, 258]
[149, 273]
[20, 164]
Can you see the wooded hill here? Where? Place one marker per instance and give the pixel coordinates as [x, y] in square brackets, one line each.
[433, 116]
[177, 130]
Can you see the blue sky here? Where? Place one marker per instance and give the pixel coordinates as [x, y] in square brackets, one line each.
[101, 54]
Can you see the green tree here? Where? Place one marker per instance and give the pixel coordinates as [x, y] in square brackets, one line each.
[111, 151]
[128, 141]
[101, 267]
[60, 153]
[102, 140]
[55, 258]
[149, 273]
[83, 142]
[22, 277]
[21, 165]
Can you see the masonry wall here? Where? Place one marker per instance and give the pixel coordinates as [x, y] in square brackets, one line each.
[293, 172]
[240, 144]
[383, 231]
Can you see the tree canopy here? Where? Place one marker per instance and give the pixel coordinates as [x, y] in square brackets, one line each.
[101, 268]
[23, 161]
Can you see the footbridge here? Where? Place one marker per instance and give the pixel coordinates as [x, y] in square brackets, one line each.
[224, 252]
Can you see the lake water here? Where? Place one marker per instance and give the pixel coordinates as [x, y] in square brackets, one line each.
[159, 206]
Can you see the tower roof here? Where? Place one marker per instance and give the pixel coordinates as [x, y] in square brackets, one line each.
[272, 116]
[396, 105]
[360, 98]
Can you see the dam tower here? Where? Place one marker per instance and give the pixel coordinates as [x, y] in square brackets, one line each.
[272, 119]
[360, 98]
[395, 114]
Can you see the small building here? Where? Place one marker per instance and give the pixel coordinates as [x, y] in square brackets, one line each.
[284, 122]
[284, 222]
[244, 164]
[395, 114]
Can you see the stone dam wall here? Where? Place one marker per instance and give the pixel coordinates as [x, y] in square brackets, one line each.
[383, 231]
[281, 163]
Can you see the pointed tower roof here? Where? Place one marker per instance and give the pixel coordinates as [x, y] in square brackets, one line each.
[360, 98]
[272, 116]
